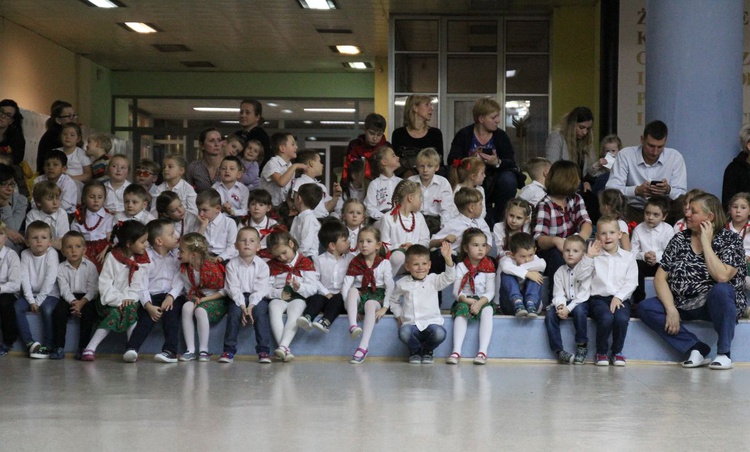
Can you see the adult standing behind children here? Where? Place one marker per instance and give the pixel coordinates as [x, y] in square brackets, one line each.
[61, 113]
[485, 140]
[572, 140]
[12, 141]
[203, 173]
[416, 134]
[251, 119]
[737, 173]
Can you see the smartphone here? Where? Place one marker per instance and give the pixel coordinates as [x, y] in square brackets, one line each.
[655, 182]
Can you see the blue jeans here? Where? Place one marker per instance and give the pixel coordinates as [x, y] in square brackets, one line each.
[719, 309]
[579, 314]
[46, 309]
[422, 342]
[262, 326]
[510, 289]
[608, 323]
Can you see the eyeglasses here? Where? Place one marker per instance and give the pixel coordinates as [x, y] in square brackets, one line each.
[6, 115]
[71, 116]
[8, 184]
[143, 173]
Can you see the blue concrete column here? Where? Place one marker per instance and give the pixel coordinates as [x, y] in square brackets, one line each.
[694, 82]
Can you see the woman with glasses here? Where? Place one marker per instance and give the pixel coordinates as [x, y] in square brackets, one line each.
[12, 141]
[61, 113]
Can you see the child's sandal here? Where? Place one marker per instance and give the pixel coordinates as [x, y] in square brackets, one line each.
[480, 359]
[355, 331]
[88, 355]
[358, 359]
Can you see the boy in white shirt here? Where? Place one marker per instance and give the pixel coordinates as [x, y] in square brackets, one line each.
[247, 283]
[146, 173]
[39, 292]
[55, 165]
[649, 241]
[220, 230]
[437, 193]
[414, 303]
[47, 209]
[10, 284]
[157, 282]
[77, 279]
[384, 163]
[234, 195]
[277, 174]
[331, 267]
[313, 168]
[173, 171]
[135, 203]
[305, 226]
[614, 279]
[572, 288]
[117, 170]
[537, 167]
[521, 270]
[259, 205]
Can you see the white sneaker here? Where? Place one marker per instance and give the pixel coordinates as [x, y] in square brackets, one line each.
[130, 356]
[304, 323]
[696, 359]
[721, 362]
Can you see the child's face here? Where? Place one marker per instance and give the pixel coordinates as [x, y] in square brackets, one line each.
[92, 148]
[208, 212]
[248, 244]
[611, 149]
[231, 147]
[341, 246]
[258, 211]
[172, 171]
[175, 211]
[515, 218]
[283, 253]
[289, 148]
[476, 249]
[168, 238]
[572, 253]
[7, 189]
[390, 160]
[315, 166]
[185, 256]
[523, 255]
[49, 204]
[415, 201]
[145, 178]
[53, 169]
[139, 246]
[3, 238]
[118, 170]
[739, 211]
[418, 266]
[473, 210]
[94, 199]
[373, 137]
[354, 216]
[478, 178]
[367, 243]
[69, 138]
[426, 170]
[609, 234]
[252, 151]
[73, 249]
[39, 241]
[229, 172]
[133, 204]
[653, 216]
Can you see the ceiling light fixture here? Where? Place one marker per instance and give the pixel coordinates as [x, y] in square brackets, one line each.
[218, 109]
[229, 122]
[139, 27]
[346, 49]
[329, 110]
[104, 3]
[307, 122]
[287, 111]
[271, 104]
[317, 4]
[357, 65]
[336, 123]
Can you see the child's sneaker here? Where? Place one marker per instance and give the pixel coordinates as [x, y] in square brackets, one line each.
[304, 322]
[581, 352]
[204, 357]
[453, 358]
[284, 354]
[88, 355]
[601, 360]
[355, 331]
[564, 357]
[519, 310]
[323, 325]
[415, 359]
[130, 356]
[428, 358]
[263, 358]
[41, 353]
[58, 353]
[531, 310]
[187, 356]
[33, 347]
[226, 357]
[165, 357]
[619, 360]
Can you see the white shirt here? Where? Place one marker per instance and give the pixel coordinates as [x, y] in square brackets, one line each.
[320, 210]
[305, 229]
[221, 234]
[114, 202]
[533, 193]
[144, 216]
[58, 221]
[353, 235]
[498, 232]
[264, 226]
[457, 225]
[252, 278]
[420, 305]
[510, 267]
[743, 233]
[572, 286]
[188, 224]
[647, 239]
[331, 272]
[113, 282]
[76, 161]
[159, 274]
[484, 204]
[484, 284]
[437, 197]
[383, 279]
[39, 276]
[71, 280]
[614, 274]
[630, 171]
[393, 234]
[276, 165]
[68, 192]
[379, 192]
[237, 196]
[92, 218]
[10, 271]
[308, 282]
[183, 190]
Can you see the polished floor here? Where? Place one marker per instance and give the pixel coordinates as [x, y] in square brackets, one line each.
[381, 405]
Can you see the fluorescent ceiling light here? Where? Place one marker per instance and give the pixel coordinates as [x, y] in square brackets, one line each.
[317, 4]
[218, 109]
[140, 27]
[336, 123]
[307, 122]
[348, 49]
[312, 138]
[103, 3]
[401, 102]
[329, 110]
[510, 73]
[271, 104]
[287, 111]
[358, 65]
[229, 122]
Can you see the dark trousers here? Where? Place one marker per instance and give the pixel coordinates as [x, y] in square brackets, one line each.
[60, 317]
[422, 342]
[554, 259]
[170, 321]
[644, 270]
[499, 190]
[8, 319]
[330, 307]
[608, 323]
[45, 312]
[262, 326]
[579, 314]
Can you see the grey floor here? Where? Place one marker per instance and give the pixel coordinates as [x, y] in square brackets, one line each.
[316, 405]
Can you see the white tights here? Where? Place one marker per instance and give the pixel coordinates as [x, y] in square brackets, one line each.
[188, 327]
[368, 324]
[100, 334]
[460, 325]
[284, 333]
[397, 260]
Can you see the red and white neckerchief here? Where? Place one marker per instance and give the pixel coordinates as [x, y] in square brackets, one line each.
[264, 231]
[744, 229]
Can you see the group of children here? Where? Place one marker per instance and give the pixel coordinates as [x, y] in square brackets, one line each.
[164, 253]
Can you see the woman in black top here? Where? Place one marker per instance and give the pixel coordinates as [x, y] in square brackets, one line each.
[737, 173]
[12, 141]
[61, 113]
[251, 118]
[416, 134]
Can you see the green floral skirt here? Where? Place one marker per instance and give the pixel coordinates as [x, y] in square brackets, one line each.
[117, 318]
[216, 309]
[461, 309]
[378, 295]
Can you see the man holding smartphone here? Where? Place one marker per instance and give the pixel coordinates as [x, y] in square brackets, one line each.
[650, 169]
